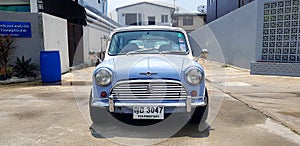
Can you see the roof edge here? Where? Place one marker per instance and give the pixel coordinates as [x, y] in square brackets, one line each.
[142, 3]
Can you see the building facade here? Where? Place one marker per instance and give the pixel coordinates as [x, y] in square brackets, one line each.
[219, 8]
[63, 25]
[189, 21]
[145, 13]
[98, 7]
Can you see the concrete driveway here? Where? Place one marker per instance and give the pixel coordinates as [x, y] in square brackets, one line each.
[276, 96]
[35, 114]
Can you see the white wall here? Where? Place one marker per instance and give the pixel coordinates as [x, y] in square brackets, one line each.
[233, 35]
[93, 39]
[33, 6]
[146, 10]
[56, 38]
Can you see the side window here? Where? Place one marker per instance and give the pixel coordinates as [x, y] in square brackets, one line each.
[117, 43]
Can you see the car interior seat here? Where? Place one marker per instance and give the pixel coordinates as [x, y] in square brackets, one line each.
[130, 47]
[165, 47]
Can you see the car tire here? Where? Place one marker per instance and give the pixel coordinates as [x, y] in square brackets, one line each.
[200, 114]
[97, 115]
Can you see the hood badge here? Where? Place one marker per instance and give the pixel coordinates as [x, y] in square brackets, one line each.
[148, 73]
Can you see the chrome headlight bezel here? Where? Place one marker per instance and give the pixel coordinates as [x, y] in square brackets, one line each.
[194, 76]
[103, 77]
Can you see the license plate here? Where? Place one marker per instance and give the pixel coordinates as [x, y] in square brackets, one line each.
[148, 112]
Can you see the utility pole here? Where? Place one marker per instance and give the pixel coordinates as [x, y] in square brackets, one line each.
[173, 14]
[174, 4]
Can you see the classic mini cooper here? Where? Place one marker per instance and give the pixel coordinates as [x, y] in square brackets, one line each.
[148, 73]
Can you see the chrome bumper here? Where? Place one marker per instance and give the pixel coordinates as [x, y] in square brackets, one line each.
[185, 102]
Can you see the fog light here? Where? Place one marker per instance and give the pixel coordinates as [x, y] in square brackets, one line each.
[103, 94]
[194, 93]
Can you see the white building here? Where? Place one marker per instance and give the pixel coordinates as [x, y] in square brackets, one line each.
[145, 13]
[97, 6]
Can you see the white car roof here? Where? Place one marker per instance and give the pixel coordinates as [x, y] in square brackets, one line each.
[148, 27]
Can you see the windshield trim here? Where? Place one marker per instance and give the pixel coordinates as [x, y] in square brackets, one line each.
[188, 49]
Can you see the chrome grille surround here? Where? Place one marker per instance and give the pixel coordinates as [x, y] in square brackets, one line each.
[149, 89]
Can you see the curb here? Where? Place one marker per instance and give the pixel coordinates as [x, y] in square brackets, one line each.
[19, 80]
[77, 67]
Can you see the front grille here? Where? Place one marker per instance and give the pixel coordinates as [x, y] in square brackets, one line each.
[149, 89]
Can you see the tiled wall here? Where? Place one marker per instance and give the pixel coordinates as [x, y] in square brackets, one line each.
[278, 38]
[281, 32]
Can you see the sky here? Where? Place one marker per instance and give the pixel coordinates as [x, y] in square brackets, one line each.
[187, 4]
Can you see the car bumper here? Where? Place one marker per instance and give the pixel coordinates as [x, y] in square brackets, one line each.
[171, 105]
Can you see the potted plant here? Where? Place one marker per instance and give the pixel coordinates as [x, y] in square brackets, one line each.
[24, 68]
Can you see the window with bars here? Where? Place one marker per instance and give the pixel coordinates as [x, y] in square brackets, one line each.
[188, 20]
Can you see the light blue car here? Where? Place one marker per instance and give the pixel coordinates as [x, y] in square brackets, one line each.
[148, 73]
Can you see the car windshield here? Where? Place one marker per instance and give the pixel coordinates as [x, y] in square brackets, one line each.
[148, 42]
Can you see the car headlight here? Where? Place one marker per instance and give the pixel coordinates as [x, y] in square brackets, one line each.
[193, 76]
[103, 77]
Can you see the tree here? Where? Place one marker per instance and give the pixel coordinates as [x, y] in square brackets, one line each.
[7, 46]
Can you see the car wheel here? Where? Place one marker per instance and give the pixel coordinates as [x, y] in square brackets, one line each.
[201, 113]
[97, 114]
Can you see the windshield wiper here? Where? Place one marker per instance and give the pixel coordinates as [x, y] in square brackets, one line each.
[172, 52]
[140, 51]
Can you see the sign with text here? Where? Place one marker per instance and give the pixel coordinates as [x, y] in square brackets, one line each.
[15, 29]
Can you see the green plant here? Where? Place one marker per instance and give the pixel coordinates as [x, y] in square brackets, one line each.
[6, 73]
[24, 68]
[7, 46]
[9, 71]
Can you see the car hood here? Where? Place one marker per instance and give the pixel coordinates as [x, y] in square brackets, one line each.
[149, 67]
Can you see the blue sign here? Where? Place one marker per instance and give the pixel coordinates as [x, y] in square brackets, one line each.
[15, 29]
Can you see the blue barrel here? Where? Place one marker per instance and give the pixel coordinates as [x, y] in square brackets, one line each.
[50, 66]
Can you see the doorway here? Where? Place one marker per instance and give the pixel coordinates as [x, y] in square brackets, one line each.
[151, 20]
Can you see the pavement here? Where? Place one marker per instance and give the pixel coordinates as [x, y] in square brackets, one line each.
[278, 97]
[38, 114]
